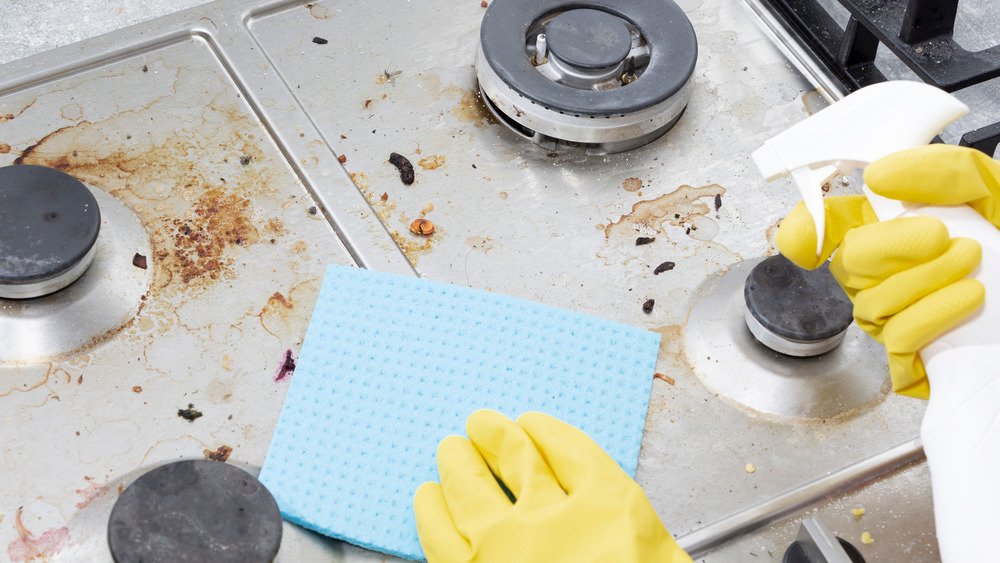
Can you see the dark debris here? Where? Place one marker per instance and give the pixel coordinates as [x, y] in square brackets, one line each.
[320, 41]
[666, 266]
[647, 307]
[190, 413]
[644, 240]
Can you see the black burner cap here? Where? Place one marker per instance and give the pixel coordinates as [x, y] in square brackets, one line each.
[589, 39]
[797, 304]
[49, 222]
[194, 511]
[796, 554]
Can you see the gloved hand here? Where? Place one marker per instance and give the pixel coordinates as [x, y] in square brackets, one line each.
[573, 501]
[905, 276]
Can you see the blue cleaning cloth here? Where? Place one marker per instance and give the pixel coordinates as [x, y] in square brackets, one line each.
[392, 364]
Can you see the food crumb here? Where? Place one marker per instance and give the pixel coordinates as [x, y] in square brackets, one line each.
[139, 261]
[666, 266]
[647, 307]
[665, 377]
[136, 389]
[287, 366]
[245, 159]
[189, 414]
[866, 538]
[404, 166]
[750, 468]
[858, 512]
[483, 4]
[385, 196]
[427, 208]
[221, 454]
[320, 41]
[342, 159]
[718, 201]
[422, 227]
[644, 240]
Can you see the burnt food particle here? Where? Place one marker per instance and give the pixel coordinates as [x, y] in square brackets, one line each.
[189, 414]
[647, 307]
[139, 261]
[404, 166]
[245, 159]
[663, 268]
[320, 41]
[718, 201]
[644, 240]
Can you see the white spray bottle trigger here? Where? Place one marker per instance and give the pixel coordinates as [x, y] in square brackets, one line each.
[870, 123]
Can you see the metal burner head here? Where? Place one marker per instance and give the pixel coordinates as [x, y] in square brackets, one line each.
[49, 223]
[794, 311]
[606, 76]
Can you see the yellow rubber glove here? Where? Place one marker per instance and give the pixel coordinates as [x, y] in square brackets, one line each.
[573, 501]
[905, 276]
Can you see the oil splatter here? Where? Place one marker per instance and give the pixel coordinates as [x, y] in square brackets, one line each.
[319, 11]
[681, 208]
[28, 548]
[4, 148]
[632, 184]
[431, 162]
[280, 317]
[287, 367]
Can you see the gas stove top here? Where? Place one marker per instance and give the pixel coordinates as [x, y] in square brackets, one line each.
[248, 144]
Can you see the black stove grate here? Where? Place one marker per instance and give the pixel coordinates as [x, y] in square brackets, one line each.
[918, 32]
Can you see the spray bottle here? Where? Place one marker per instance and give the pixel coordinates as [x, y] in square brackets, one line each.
[961, 427]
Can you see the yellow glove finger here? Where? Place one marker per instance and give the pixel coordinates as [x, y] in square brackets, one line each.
[939, 174]
[874, 306]
[471, 492]
[512, 457]
[572, 455]
[439, 539]
[917, 325]
[908, 375]
[872, 253]
[797, 234]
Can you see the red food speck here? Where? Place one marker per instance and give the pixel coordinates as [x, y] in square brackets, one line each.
[92, 491]
[287, 366]
[28, 548]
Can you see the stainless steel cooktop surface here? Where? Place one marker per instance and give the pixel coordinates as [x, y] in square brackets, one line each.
[240, 147]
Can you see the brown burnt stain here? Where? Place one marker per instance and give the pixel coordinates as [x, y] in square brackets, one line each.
[470, 107]
[216, 222]
[319, 11]
[219, 454]
[771, 235]
[4, 117]
[674, 208]
[671, 355]
[632, 184]
[280, 317]
[188, 189]
[300, 247]
[431, 162]
[275, 226]
[4, 148]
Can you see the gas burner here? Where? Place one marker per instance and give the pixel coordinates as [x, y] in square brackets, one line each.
[731, 362]
[606, 76]
[196, 510]
[74, 287]
[48, 230]
[795, 311]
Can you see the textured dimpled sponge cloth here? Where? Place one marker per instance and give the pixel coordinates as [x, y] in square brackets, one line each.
[392, 364]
